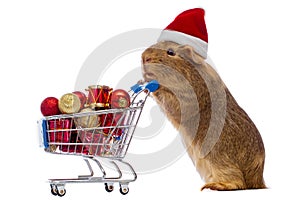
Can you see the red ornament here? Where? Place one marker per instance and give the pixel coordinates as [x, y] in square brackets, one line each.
[82, 98]
[99, 96]
[78, 148]
[95, 143]
[61, 130]
[120, 99]
[49, 106]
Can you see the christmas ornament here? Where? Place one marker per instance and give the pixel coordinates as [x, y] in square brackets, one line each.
[69, 103]
[61, 129]
[107, 96]
[88, 121]
[49, 106]
[120, 99]
[75, 148]
[60, 132]
[82, 98]
[94, 142]
[109, 122]
[98, 97]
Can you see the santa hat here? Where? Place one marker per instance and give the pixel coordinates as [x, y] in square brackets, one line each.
[188, 28]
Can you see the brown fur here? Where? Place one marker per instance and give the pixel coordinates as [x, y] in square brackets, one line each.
[222, 141]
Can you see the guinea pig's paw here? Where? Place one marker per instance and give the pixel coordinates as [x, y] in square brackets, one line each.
[141, 82]
[220, 186]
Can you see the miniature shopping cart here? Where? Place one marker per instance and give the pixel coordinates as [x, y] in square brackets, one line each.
[81, 134]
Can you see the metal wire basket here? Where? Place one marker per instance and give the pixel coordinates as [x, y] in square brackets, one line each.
[95, 135]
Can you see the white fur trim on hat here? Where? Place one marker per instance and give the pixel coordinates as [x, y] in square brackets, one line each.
[199, 45]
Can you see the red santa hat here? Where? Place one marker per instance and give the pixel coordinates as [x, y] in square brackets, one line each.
[188, 28]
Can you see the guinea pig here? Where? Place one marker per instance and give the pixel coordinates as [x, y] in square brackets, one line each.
[220, 138]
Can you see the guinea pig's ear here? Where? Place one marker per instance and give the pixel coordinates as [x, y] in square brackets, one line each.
[188, 53]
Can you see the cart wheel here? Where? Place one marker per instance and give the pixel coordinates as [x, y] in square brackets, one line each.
[53, 190]
[124, 190]
[61, 192]
[109, 187]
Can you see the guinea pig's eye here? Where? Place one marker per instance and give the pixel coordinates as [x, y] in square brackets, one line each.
[171, 52]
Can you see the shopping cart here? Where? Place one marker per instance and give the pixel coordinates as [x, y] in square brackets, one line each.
[81, 134]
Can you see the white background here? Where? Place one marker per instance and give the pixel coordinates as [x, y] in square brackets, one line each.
[254, 45]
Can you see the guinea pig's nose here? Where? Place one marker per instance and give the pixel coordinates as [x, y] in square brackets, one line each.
[146, 59]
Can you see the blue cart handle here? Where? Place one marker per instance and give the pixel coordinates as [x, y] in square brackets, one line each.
[151, 86]
[136, 88]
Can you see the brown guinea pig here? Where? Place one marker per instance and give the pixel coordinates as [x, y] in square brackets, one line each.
[222, 141]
